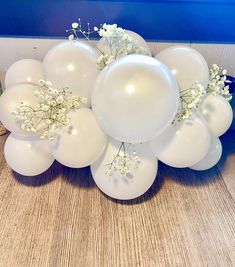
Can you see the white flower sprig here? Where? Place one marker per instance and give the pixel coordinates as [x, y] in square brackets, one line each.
[50, 113]
[216, 84]
[123, 161]
[189, 101]
[120, 44]
[119, 41]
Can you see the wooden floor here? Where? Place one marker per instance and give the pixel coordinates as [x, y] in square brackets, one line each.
[59, 219]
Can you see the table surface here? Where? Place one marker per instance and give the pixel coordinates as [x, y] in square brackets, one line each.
[60, 218]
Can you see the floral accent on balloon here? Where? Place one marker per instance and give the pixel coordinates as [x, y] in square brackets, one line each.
[189, 102]
[125, 159]
[51, 111]
[217, 85]
[191, 98]
[120, 43]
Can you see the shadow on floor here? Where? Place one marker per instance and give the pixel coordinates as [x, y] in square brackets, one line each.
[78, 177]
[41, 179]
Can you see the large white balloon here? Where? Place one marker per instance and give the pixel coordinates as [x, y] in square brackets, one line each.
[81, 143]
[217, 112]
[10, 99]
[187, 65]
[24, 71]
[72, 64]
[123, 186]
[28, 156]
[135, 98]
[183, 144]
[211, 158]
[104, 46]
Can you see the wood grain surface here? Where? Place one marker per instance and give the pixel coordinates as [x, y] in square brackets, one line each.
[60, 218]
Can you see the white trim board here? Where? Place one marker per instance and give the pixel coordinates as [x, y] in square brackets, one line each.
[13, 49]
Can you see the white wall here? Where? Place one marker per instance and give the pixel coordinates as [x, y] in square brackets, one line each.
[13, 49]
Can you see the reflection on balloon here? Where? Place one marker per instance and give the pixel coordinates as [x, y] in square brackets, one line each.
[28, 156]
[211, 158]
[125, 186]
[24, 71]
[183, 144]
[72, 64]
[104, 46]
[135, 105]
[81, 143]
[186, 64]
[10, 99]
[218, 114]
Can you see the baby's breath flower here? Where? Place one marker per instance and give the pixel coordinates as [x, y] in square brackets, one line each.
[50, 113]
[216, 84]
[123, 161]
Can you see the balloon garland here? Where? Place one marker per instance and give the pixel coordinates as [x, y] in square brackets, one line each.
[116, 108]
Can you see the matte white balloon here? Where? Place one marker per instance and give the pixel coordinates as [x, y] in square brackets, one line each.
[135, 98]
[81, 143]
[24, 71]
[183, 144]
[211, 158]
[10, 99]
[72, 64]
[218, 114]
[187, 65]
[104, 46]
[28, 156]
[122, 186]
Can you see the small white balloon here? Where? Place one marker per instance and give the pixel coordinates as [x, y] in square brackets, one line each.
[10, 99]
[183, 144]
[218, 113]
[27, 156]
[104, 46]
[24, 71]
[211, 158]
[81, 143]
[142, 171]
[186, 64]
[135, 98]
[72, 64]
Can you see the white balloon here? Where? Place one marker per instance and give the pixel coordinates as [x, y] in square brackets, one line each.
[124, 186]
[10, 99]
[81, 143]
[104, 46]
[24, 71]
[135, 98]
[183, 144]
[72, 64]
[28, 156]
[211, 158]
[217, 112]
[186, 64]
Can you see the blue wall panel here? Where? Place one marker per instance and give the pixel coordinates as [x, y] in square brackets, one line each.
[198, 21]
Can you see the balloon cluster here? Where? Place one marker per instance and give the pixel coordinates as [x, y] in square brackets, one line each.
[139, 109]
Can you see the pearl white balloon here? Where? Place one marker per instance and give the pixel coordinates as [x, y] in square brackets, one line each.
[211, 158]
[121, 186]
[104, 46]
[186, 64]
[218, 114]
[10, 99]
[28, 156]
[81, 143]
[72, 64]
[135, 98]
[24, 71]
[183, 144]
